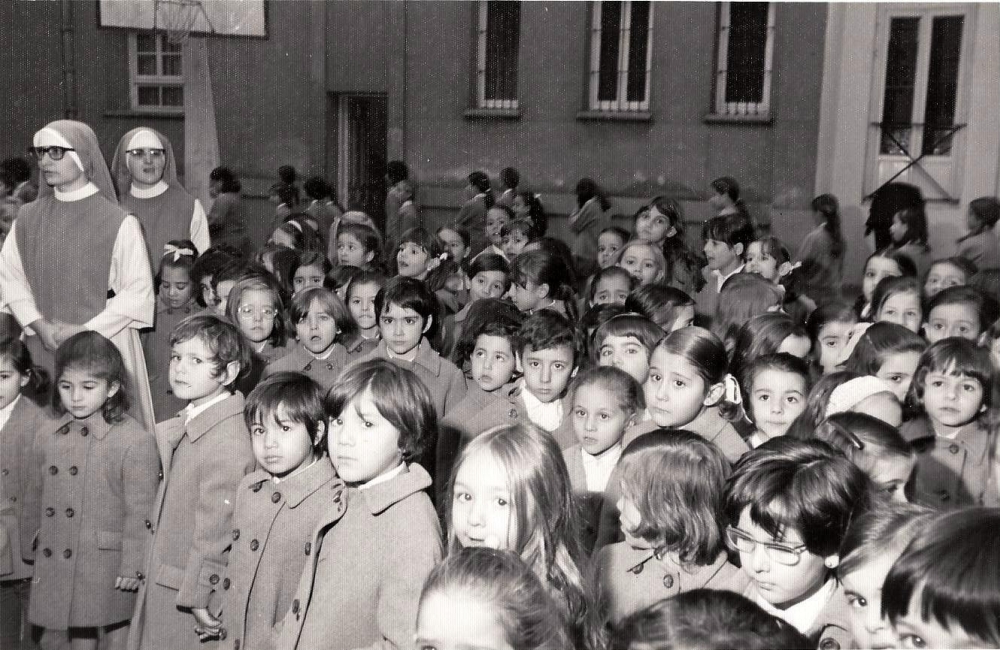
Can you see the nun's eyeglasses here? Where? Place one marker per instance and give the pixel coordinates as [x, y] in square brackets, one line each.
[141, 153]
[55, 153]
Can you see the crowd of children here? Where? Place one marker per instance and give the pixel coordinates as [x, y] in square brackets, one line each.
[483, 436]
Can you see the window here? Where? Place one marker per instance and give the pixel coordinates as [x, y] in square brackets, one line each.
[157, 80]
[620, 56]
[745, 53]
[496, 69]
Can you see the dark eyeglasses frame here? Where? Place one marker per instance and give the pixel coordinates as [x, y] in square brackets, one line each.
[55, 153]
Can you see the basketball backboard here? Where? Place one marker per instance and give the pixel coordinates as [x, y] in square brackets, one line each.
[220, 17]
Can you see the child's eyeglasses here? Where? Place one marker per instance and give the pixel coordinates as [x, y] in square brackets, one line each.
[55, 153]
[780, 553]
[142, 153]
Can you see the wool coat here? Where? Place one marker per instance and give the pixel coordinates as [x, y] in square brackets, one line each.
[17, 475]
[95, 484]
[951, 473]
[362, 587]
[272, 533]
[323, 371]
[156, 347]
[832, 628]
[204, 461]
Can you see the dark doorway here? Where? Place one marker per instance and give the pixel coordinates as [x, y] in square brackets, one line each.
[359, 139]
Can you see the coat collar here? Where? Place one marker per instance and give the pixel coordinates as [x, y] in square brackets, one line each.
[230, 407]
[297, 488]
[426, 356]
[379, 498]
[95, 424]
[972, 436]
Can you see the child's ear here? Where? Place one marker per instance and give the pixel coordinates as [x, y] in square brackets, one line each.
[230, 373]
[831, 561]
[671, 233]
[517, 363]
[369, 256]
[321, 432]
[427, 323]
[738, 249]
[112, 389]
[714, 394]
[542, 291]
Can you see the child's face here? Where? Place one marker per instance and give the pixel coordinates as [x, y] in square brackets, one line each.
[721, 256]
[832, 339]
[318, 330]
[280, 445]
[175, 286]
[306, 277]
[610, 290]
[363, 445]
[876, 269]
[83, 393]
[282, 238]
[452, 620]
[608, 245]
[402, 328]
[514, 243]
[950, 399]
[453, 242]
[882, 406]
[207, 293]
[599, 421]
[547, 372]
[959, 319]
[11, 381]
[797, 346]
[652, 227]
[863, 592]
[493, 362]
[256, 315]
[891, 474]
[487, 284]
[897, 370]
[351, 252]
[778, 398]
[761, 263]
[942, 276]
[482, 509]
[362, 305]
[412, 261]
[496, 219]
[192, 364]
[222, 297]
[527, 296]
[625, 353]
[778, 582]
[640, 262]
[902, 308]
[521, 207]
[675, 392]
[897, 230]
[913, 631]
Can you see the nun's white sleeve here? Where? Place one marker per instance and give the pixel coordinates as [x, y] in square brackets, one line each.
[199, 228]
[14, 283]
[130, 278]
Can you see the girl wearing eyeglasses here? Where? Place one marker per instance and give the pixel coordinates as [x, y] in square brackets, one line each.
[73, 248]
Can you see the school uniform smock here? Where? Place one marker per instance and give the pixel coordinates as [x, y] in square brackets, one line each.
[272, 532]
[951, 471]
[205, 453]
[442, 378]
[823, 617]
[323, 370]
[586, 223]
[630, 579]
[95, 484]
[553, 417]
[706, 301]
[19, 423]
[156, 346]
[816, 250]
[360, 347]
[361, 587]
[165, 211]
[983, 249]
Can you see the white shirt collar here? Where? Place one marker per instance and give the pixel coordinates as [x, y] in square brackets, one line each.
[76, 195]
[802, 616]
[325, 355]
[598, 469]
[195, 411]
[382, 478]
[6, 412]
[721, 279]
[547, 416]
[150, 192]
[277, 481]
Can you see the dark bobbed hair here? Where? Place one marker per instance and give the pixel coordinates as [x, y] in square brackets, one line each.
[526, 227]
[257, 282]
[834, 311]
[586, 189]
[727, 185]
[317, 188]
[398, 394]
[536, 212]
[635, 325]
[780, 361]
[300, 397]
[962, 357]
[223, 339]
[885, 529]
[480, 181]
[545, 267]
[906, 265]
[892, 285]
[368, 237]
[340, 276]
[611, 271]
[487, 317]
[802, 485]
[229, 182]
[547, 329]
[18, 170]
[986, 210]
[312, 258]
[408, 293]
[510, 177]
[626, 391]
[593, 318]
[397, 171]
[330, 303]
[761, 335]
[92, 353]
[915, 220]
[878, 343]
[206, 266]
[366, 277]
[658, 303]
[731, 229]
[701, 349]
[16, 352]
[435, 248]
[185, 262]
[986, 308]
[490, 262]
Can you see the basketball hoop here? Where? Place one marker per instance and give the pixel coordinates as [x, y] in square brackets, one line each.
[178, 17]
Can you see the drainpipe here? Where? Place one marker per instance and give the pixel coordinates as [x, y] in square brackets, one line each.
[68, 57]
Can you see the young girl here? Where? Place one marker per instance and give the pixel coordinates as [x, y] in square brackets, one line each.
[871, 545]
[980, 245]
[457, 240]
[959, 311]
[891, 353]
[586, 222]
[256, 307]
[517, 235]
[176, 301]
[626, 342]
[953, 388]
[358, 245]
[339, 280]
[768, 258]
[776, 386]
[880, 264]
[725, 240]
[609, 242]
[829, 327]
[511, 491]
[360, 299]
[909, 237]
[489, 278]
[743, 296]
[644, 261]
[321, 322]
[490, 600]
[767, 334]
[541, 280]
[202, 271]
[311, 271]
[671, 516]
[897, 300]
[949, 272]
[277, 506]
[528, 205]
[823, 247]
[90, 498]
[373, 548]
[663, 224]
[611, 286]
[423, 256]
[670, 308]
[497, 218]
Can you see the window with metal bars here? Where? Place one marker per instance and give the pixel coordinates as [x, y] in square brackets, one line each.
[156, 73]
[620, 56]
[496, 69]
[745, 55]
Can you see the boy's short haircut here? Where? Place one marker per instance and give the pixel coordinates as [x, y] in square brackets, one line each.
[547, 329]
[703, 619]
[490, 262]
[224, 339]
[329, 303]
[802, 485]
[400, 397]
[953, 567]
[407, 293]
[986, 307]
[300, 397]
[629, 325]
[731, 229]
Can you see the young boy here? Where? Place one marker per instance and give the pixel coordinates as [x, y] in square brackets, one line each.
[726, 240]
[205, 452]
[789, 503]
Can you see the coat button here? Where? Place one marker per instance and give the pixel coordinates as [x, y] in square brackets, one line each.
[309, 548]
[276, 497]
[73, 470]
[226, 583]
[84, 431]
[67, 554]
[329, 366]
[295, 606]
[513, 414]
[159, 475]
[222, 634]
[213, 579]
[308, 367]
[953, 448]
[236, 534]
[668, 581]
[4, 472]
[47, 552]
[50, 512]
[149, 524]
[140, 575]
[254, 544]
[53, 470]
[64, 429]
[13, 499]
[70, 513]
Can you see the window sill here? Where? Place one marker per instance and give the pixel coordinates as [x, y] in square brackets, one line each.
[492, 113]
[150, 112]
[615, 116]
[717, 118]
